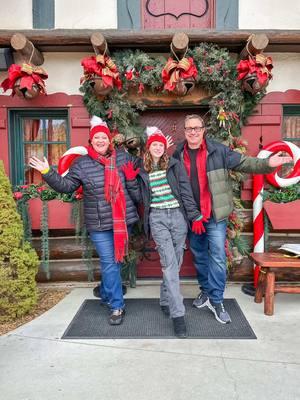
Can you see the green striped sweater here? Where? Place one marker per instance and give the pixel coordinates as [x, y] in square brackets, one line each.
[161, 194]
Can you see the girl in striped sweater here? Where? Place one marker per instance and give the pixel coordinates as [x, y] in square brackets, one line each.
[169, 207]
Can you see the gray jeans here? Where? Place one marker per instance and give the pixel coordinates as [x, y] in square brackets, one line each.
[169, 230]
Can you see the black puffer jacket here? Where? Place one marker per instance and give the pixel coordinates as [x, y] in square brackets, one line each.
[90, 174]
[178, 180]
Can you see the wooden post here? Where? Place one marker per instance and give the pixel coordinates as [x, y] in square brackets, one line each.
[269, 293]
[99, 43]
[26, 52]
[260, 287]
[255, 45]
[180, 43]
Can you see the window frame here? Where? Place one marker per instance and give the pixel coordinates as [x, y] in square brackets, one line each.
[290, 110]
[16, 141]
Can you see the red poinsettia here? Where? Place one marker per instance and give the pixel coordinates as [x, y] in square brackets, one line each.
[174, 71]
[261, 66]
[104, 67]
[28, 75]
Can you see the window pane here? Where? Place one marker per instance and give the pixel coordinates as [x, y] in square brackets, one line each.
[55, 151]
[30, 150]
[56, 130]
[291, 127]
[32, 130]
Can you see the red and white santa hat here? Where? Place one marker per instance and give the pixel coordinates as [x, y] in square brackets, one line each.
[155, 135]
[98, 125]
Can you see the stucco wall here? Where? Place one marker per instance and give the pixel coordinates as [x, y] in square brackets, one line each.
[285, 72]
[269, 14]
[15, 14]
[87, 14]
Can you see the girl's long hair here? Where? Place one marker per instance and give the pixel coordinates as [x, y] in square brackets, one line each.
[149, 164]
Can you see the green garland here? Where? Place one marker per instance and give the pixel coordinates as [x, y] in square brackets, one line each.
[216, 73]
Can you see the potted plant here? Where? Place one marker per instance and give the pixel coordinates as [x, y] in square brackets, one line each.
[283, 207]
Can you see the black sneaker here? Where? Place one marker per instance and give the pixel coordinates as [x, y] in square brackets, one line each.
[165, 310]
[220, 313]
[179, 327]
[116, 317]
[201, 301]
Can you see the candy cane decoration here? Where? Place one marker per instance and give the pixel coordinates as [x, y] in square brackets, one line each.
[68, 157]
[275, 180]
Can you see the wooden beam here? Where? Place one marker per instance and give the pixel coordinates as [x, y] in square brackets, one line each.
[99, 43]
[255, 45]
[156, 40]
[26, 52]
[180, 43]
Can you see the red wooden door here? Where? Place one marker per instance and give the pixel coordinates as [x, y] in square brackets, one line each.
[168, 14]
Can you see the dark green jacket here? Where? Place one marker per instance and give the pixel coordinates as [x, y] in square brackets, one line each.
[220, 160]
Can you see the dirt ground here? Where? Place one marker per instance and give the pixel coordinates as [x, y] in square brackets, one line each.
[46, 300]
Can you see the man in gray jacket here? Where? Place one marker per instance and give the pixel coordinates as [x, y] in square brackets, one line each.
[207, 163]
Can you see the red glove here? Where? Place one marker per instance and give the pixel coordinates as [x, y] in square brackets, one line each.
[198, 227]
[129, 171]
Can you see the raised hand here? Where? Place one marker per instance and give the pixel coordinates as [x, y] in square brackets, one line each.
[276, 160]
[129, 171]
[169, 141]
[37, 164]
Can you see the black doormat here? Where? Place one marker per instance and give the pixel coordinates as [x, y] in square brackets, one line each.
[144, 319]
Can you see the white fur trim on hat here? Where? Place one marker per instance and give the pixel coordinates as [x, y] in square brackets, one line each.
[95, 121]
[150, 130]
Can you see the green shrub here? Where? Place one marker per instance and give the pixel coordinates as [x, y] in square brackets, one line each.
[18, 261]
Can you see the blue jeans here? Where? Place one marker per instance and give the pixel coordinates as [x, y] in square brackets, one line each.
[111, 284]
[209, 256]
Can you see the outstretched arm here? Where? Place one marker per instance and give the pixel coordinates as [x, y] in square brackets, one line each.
[66, 184]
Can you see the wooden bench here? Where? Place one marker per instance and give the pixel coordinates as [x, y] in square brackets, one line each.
[270, 263]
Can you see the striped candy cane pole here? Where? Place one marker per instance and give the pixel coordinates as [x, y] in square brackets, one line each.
[66, 161]
[275, 180]
[68, 157]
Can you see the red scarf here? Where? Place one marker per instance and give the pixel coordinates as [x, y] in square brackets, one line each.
[205, 197]
[114, 194]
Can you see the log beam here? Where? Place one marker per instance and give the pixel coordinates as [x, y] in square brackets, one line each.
[255, 44]
[180, 43]
[26, 52]
[99, 43]
[65, 40]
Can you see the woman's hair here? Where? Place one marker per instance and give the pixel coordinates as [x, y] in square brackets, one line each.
[149, 164]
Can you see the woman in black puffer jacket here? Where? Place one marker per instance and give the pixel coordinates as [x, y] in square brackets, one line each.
[108, 208]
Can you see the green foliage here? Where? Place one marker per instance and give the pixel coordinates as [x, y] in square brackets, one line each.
[282, 195]
[18, 261]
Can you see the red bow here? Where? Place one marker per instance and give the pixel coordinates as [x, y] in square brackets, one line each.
[174, 71]
[28, 75]
[260, 65]
[102, 66]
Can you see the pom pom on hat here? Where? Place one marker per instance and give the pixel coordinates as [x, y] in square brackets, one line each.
[98, 125]
[155, 135]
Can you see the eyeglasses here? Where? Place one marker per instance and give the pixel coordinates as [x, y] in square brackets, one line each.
[197, 129]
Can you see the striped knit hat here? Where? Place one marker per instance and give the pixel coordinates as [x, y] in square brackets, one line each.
[155, 135]
[98, 125]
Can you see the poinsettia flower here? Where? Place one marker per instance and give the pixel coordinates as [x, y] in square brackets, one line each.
[41, 189]
[18, 195]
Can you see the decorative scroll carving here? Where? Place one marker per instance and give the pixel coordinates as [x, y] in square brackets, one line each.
[180, 15]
